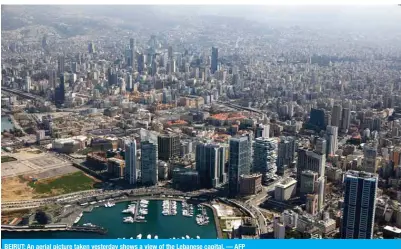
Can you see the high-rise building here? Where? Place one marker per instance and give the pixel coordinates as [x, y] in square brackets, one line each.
[154, 67]
[168, 146]
[336, 116]
[129, 83]
[239, 161]
[370, 163]
[149, 167]
[316, 120]
[359, 205]
[278, 228]
[264, 161]
[60, 91]
[28, 83]
[214, 62]
[210, 164]
[132, 44]
[141, 62]
[52, 78]
[60, 69]
[91, 48]
[170, 53]
[332, 139]
[321, 146]
[44, 42]
[130, 162]
[345, 120]
[262, 130]
[315, 162]
[285, 154]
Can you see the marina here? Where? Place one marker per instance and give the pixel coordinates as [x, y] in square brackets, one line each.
[202, 218]
[169, 207]
[187, 209]
[112, 219]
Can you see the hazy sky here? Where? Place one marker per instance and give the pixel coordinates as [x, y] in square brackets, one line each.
[351, 17]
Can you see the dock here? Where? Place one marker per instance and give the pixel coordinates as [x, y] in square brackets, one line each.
[48, 228]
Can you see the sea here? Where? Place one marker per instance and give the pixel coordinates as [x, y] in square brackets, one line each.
[6, 124]
[165, 227]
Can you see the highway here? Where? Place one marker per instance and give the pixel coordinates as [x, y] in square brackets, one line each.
[23, 94]
[253, 205]
[77, 196]
[235, 106]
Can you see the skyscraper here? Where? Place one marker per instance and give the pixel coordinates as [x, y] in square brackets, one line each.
[239, 162]
[336, 116]
[44, 42]
[369, 163]
[91, 48]
[262, 130]
[170, 53]
[141, 62]
[28, 83]
[285, 154]
[130, 162]
[60, 69]
[316, 162]
[52, 78]
[264, 161]
[60, 92]
[345, 120]
[332, 139]
[132, 44]
[359, 205]
[321, 146]
[316, 120]
[214, 61]
[210, 164]
[168, 146]
[149, 168]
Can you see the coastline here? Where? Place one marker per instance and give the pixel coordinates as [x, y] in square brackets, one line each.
[69, 226]
[16, 124]
[13, 122]
[219, 231]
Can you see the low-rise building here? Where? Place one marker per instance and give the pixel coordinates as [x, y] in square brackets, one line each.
[250, 184]
[285, 190]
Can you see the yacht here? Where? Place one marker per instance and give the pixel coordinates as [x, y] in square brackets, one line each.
[128, 219]
[143, 211]
[139, 236]
[140, 217]
[88, 225]
[131, 238]
[78, 218]
[156, 237]
[144, 202]
[197, 236]
[149, 236]
[187, 237]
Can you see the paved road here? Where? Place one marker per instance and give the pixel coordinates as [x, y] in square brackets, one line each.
[77, 196]
[253, 205]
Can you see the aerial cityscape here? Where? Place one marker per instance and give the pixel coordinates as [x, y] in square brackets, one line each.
[200, 122]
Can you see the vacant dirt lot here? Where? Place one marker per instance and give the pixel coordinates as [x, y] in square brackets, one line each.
[15, 188]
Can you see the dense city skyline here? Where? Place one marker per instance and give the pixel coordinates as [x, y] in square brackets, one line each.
[289, 116]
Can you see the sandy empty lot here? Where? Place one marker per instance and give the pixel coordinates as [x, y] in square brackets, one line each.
[14, 188]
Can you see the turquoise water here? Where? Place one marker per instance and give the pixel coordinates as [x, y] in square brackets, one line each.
[111, 218]
[6, 124]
